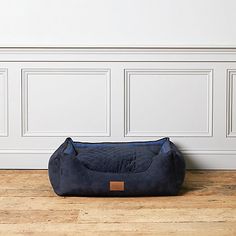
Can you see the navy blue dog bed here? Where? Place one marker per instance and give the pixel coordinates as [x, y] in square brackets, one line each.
[117, 169]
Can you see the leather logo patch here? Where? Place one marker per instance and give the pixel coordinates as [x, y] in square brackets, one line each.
[117, 186]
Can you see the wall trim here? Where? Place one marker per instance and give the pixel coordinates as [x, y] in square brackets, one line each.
[146, 71]
[70, 54]
[195, 159]
[47, 71]
[4, 73]
[231, 75]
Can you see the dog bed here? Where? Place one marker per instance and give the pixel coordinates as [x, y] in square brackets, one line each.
[117, 169]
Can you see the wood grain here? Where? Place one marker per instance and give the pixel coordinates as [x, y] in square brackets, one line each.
[205, 206]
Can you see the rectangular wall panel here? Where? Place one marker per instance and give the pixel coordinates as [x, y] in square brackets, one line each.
[168, 102]
[65, 102]
[231, 103]
[3, 103]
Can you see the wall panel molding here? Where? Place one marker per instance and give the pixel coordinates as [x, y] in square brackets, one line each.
[157, 72]
[33, 80]
[63, 54]
[26, 73]
[4, 102]
[230, 110]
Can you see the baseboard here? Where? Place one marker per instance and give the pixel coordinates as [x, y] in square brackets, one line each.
[28, 160]
[24, 160]
[211, 160]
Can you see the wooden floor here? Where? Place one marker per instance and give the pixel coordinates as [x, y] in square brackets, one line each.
[206, 206]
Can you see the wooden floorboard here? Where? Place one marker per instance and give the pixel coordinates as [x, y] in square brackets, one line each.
[206, 206]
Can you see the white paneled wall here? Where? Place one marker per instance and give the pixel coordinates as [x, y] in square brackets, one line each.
[118, 95]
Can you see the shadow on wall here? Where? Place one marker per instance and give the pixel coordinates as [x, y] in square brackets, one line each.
[191, 162]
[190, 159]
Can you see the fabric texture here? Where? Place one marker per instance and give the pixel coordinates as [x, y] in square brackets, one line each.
[142, 168]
